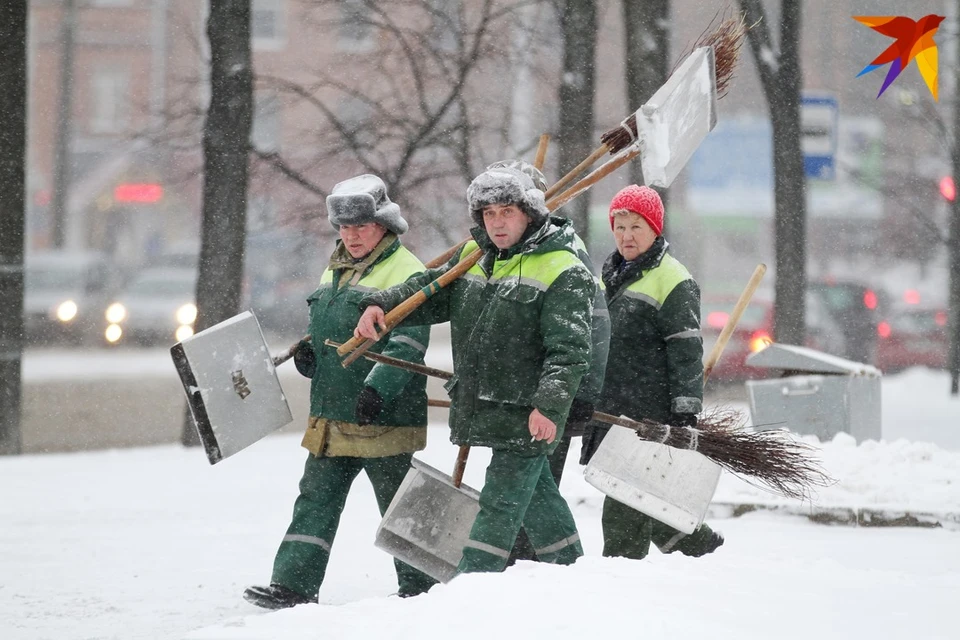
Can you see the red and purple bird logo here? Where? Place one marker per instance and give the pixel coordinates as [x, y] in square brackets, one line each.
[914, 39]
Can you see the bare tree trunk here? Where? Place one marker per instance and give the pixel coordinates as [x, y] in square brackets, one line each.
[226, 138]
[578, 84]
[62, 159]
[781, 78]
[953, 241]
[647, 36]
[13, 139]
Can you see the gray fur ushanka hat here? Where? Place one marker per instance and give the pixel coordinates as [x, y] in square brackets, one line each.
[361, 200]
[506, 185]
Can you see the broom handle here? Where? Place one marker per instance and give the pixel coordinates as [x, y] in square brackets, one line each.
[573, 173]
[592, 178]
[734, 318]
[599, 416]
[396, 315]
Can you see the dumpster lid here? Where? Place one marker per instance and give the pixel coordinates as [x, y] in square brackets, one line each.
[793, 358]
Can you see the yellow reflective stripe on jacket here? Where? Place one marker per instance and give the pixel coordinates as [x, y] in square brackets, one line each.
[396, 268]
[537, 270]
[656, 284]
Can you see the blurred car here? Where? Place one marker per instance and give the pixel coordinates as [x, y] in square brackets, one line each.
[911, 337]
[856, 309]
[64, 295]
[157, 307]
[754, 332]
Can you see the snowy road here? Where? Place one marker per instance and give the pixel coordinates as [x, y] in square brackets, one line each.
[155, 543]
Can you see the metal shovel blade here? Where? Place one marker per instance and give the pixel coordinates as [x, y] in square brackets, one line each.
[231, 385]
[428, 522]
[672, 485]
[671, 125]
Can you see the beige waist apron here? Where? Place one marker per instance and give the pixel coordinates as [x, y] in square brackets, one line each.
[334, 438]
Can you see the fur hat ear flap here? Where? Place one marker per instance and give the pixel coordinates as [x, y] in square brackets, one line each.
[362, 200]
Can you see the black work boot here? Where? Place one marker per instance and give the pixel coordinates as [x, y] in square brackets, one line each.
[707, 546]
[276, 596]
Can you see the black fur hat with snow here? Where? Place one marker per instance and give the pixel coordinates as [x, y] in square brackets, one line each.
[506, 185]
[361, 200]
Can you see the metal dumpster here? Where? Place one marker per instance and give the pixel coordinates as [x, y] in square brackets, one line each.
[817, 394]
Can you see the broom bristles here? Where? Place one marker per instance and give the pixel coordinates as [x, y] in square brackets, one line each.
[774, 457]
[726, 40]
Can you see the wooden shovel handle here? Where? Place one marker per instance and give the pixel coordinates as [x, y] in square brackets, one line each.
[405, 308]
[577, 170]
[734, 318]
[441, 259]
[461, 465]
[593, 177]
[542, 150]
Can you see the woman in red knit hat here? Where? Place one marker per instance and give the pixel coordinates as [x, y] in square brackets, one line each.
[655, 366]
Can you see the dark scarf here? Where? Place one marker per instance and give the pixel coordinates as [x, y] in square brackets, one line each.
[617, 272]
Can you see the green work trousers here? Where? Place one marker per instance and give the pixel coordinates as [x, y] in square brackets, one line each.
[301, 561]
[627, 533]
[520, 490]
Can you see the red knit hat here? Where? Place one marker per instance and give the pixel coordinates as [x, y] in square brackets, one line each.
[643, 201]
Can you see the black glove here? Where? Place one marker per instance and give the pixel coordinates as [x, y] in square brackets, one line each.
[369, 405]
[682, 420]
[580, 411]
[305, 359]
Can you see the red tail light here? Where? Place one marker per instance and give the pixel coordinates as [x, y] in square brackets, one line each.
[883, 330]
[717, 319]
[911, 296]
[760, 340]
[940, 318]
[870, 299]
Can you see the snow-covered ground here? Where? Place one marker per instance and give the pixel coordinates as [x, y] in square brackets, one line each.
[155, 543]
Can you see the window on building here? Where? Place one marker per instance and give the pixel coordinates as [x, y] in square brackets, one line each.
[445, 24]
[110, 95]
[356, 30]
[266, 133]
[267, 24]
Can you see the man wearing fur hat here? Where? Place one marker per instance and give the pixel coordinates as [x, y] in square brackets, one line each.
[520, 326]
[655, 368]
[364, 418]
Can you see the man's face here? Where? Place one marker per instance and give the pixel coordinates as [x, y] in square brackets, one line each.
[632, 234]
[361, 239]
[505, 224]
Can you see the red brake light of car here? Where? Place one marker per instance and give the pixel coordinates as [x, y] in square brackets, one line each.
[717, 319]
[883, 330]
[760, 340]
[911, 296]
[870, 299]
[940, 318]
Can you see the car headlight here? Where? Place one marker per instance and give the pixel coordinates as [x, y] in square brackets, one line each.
[67, 311]
[116, 313]
[183, 332]
[113, 333]
[187, 313]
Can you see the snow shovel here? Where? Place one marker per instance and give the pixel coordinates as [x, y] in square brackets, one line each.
[672, 485]
[231, 385]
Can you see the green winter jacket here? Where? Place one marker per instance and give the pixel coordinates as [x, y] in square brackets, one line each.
[334, 314]
[520, 327]
[655, 368]
[592, 383]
